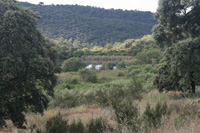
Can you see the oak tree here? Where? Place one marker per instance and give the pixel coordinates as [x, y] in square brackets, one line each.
[28, 64]
[178, 32]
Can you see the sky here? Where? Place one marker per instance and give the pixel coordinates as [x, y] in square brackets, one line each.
[141, 5]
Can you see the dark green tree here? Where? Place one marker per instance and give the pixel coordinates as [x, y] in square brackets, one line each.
[27, 64]
[148, 53]
[178, 32]
[73, 64]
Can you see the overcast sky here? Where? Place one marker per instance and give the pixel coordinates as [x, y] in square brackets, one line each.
[142, 5]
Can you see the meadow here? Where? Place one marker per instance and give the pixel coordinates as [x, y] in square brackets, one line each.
[123, 100]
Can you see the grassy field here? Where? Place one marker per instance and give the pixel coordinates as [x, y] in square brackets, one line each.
[76, 99]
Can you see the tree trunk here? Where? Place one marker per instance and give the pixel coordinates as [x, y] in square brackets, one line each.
[193, 86]
[193, 83]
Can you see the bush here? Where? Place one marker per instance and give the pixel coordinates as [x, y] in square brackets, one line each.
[152, 116]
[68, 86]
[190, 111]
[95, 126]
[128, 114]
[148, 53]
[66, 99]
[73, 64]
[76, 127]
[180, 121]
[88, 75]
[38, 131]
[74, 81]
[121, 64]
[102, 97]
[120, 74]
[110, 65]
[56, 125]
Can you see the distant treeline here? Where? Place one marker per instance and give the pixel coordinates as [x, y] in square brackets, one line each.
[105, 58]
[95, 26]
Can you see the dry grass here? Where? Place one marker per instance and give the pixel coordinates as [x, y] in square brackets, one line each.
[176, 104]
[84, 113]
[110, 73]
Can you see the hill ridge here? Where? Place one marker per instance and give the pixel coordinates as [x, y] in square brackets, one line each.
[92, 25]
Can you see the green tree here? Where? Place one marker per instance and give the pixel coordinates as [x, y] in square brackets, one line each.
[27, 64]
[178, 32]
[121, 64]
[148, 53]
[73, 64]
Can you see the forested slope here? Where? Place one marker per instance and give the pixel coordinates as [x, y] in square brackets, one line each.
[92, 25]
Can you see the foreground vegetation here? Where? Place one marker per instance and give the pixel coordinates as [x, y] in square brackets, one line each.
[118, 104]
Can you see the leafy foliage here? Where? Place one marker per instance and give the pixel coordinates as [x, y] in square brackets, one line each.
[92, 25]
[27, 64]
[76, 127]
[127, 113]
[152, 116]
[182, 60]
[149, 54]
[67, 48]
[88, 75]
[57, 125]
[145, 48]
[121, 64]
[73, 64]
[145, 73]
[177, 31]
[95, 125]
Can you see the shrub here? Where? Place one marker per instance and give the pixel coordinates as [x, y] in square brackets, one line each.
[38, 131]
[76, 127]
[135, 89]
[56, 125]
[134, 72]
[152, 116]
[88, 75]
[189, 111]
[95, 125]
[74, 81]
[110, 65]
[66, 99]
[73, 64]
[102, 97]
[120, 74]
[121, 64]
[128, 114]
[180, 121]
[68, 86]
[154, 71]
[117, 93]
[176, 107]
[147, 54]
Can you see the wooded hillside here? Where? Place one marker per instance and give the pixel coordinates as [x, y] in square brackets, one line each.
[92, 25]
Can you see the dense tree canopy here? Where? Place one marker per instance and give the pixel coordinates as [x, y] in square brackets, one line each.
[178, 31]
[73, 64]
[92, 25]
[27, 64]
